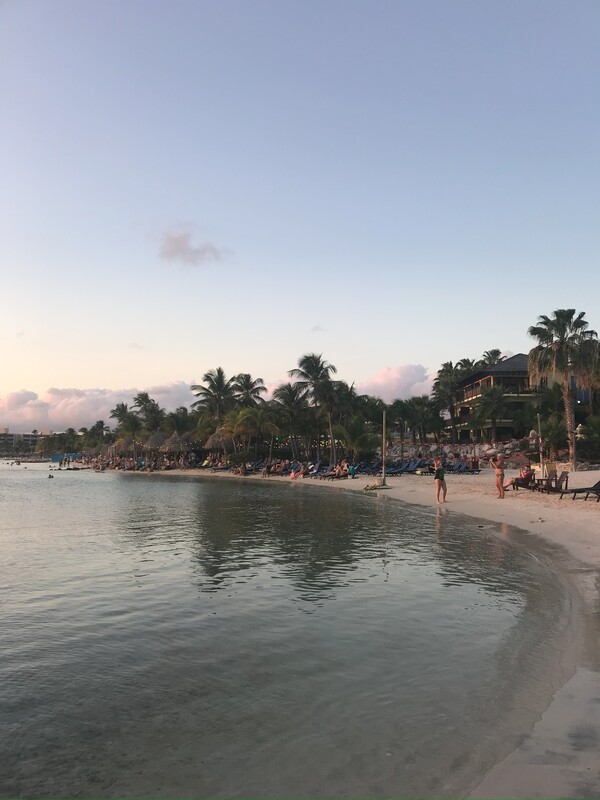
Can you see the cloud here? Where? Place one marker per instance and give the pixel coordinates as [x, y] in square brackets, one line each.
[317, 329]
[177, 246]
[398, 383]
[62, 408]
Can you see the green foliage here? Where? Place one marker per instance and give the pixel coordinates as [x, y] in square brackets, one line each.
[566, 346]
[554, 436]
[241, 457]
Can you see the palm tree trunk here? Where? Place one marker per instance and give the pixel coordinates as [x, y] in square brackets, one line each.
[333, 453]
[569, 418]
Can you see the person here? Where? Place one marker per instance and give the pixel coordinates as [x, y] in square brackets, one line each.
[440, 481]
[497, 462]
[524, 479]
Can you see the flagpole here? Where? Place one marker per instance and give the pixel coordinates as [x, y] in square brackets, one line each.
[383, 453]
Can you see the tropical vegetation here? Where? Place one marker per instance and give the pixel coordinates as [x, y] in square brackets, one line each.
[316, 416]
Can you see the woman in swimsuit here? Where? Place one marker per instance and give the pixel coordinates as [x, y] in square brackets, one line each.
[440, 481]
[498, 464]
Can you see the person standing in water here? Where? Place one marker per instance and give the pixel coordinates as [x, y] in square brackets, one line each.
[498, 464]
[440, 481]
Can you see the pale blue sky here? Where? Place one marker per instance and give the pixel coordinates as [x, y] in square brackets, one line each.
[194, 184]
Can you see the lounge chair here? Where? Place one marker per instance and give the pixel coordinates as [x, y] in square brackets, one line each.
[563, 479]
[545, 484]
[523, 483]
[587, 491]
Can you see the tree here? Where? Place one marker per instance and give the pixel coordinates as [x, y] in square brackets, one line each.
[554, 436]
[467, 366]
[98, 430]
[446, 391]
[565, 346]
[119, 412]
[216, 394]
[357, 437]
[247, 390]
[491, 357]
[291, 400]
[419, 411]
[313, 376]
[259, 421]
[151, 414]
[492, 405]
[179, 421]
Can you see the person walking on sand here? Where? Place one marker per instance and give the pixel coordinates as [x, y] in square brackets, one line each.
[498, 464]
[440, 481]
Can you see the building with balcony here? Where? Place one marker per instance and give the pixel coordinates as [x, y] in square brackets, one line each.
[512, 375]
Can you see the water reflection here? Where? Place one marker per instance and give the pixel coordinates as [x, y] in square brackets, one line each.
[223, 639]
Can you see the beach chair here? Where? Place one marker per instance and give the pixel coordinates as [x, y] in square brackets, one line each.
[587, 491]
[545, 484]
[557, 486]
[524, 483]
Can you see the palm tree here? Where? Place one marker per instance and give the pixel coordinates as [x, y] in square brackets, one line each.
[492, 405]
[345, 401]
[292, 401]
[446, 391]
[554, 435]
[259, 421]
[216, 395]
[247, 390]
[565, 346]
[419, 413]
[467, 366]
[179, 421]
[98, 430]
[131, 425]
[119, 412]
[491, 357]
[313, 376]
[551, 400]
[357, 437]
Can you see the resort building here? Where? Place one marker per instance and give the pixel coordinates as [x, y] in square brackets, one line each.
[512, 376]
[18, 442]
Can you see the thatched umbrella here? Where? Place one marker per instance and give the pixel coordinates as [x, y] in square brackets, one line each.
[156, 441]
[173, 444]
[126, 444]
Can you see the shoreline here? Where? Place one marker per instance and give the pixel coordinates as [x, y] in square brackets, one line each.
[559, 757]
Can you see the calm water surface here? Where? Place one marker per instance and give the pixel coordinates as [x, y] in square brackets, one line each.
[181, 637]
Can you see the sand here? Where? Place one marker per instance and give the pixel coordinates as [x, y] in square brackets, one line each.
[561, 756]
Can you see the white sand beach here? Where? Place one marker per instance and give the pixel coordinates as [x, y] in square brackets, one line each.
[560, 757]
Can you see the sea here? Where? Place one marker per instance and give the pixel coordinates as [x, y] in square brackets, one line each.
[170, 636]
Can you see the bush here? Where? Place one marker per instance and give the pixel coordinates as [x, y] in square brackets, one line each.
[588, 449]
[243, 457]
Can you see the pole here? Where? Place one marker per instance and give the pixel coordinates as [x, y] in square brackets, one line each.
[540, 446]
[383, 452]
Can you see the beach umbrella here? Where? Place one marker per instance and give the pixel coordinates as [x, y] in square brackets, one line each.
[173, 444]
[218, 440]
[156, 441]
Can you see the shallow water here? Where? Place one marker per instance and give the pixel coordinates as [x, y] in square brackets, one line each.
[180, 637]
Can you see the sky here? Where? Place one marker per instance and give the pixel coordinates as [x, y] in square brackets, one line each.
[235, 183]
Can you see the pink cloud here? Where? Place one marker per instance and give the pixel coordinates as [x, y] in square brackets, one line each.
[397, 383]
[59, 409]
